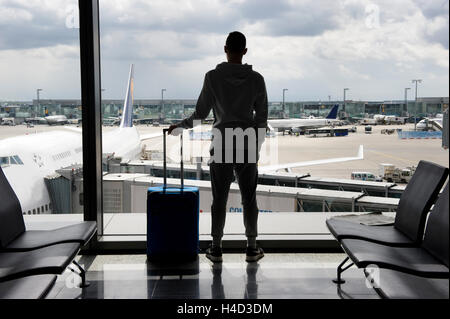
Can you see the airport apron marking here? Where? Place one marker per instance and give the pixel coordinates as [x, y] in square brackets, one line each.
[394, 157]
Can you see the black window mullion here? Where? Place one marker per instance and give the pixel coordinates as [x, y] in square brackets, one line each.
[91, 111]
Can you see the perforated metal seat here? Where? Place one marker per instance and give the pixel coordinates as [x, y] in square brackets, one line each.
[32, 239]
[411, 214]
[412, 260]
[398, 285]
[49, 260]
[34, 287]
[15, 237]
[26, 253]
[430, 260]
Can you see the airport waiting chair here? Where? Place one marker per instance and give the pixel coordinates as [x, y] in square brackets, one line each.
[34, 287]
[430, 260]
[27, 253]
[15, 237]
[411, 214]
[48, 260]
[399, 285]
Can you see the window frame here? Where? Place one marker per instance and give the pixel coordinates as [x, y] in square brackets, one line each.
[91, 113]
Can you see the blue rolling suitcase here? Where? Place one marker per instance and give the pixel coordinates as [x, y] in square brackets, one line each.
[172, 219]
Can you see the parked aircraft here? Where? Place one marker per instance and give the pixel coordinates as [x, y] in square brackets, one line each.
[430, 124]
[295, 125]
[27, 160]
[56, 120]
[51, 120]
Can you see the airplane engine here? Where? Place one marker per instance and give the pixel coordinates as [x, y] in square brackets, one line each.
[295, 131]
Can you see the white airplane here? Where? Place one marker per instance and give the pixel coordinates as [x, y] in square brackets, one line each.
[430, 123]
[50, 120]
[295, 125]
[26, 160]
[385, 119]
[56, 119]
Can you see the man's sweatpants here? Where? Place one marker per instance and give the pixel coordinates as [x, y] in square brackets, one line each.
[221, 178]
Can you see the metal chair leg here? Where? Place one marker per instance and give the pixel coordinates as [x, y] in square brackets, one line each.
[340, 270]
[342, 294]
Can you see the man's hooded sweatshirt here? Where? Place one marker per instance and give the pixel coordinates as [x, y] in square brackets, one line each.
[236, 94]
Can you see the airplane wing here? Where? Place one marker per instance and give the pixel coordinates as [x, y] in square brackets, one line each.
[142, 136]
[288, 166]
[149, 136]
[75, 129]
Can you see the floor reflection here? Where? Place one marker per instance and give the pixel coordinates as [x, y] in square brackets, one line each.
[252, 284]
[174, 279]
[277, 276]
[217, 288]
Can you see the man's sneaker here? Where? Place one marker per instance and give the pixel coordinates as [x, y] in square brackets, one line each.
[254, 254]
[214, 254]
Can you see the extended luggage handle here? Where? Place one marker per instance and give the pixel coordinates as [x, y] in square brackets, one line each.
[165, 160]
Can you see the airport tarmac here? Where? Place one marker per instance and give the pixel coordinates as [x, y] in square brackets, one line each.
[378, 148]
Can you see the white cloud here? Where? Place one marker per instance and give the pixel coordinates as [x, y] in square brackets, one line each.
[314, 48]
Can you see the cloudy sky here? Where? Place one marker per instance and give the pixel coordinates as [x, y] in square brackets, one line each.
[314, 48]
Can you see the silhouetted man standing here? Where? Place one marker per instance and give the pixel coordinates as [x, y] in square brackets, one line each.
[237, 95]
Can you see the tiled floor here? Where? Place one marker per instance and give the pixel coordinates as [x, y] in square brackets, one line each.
[284, 276]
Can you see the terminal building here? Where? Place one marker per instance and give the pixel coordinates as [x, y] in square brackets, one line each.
[149, 110]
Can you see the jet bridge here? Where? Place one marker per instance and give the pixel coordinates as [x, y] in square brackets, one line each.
[130, 196]
[201, 172]
[65, 188]
[435, 124]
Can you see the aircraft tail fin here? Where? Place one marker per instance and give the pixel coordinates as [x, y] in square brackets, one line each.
[127, 112]
[333, 113]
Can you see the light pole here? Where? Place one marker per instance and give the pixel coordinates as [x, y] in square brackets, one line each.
[38, 103]
[329, 98]
[406, 100]
[415, 103]
[162, 104]
[283, 112]
[345, 90]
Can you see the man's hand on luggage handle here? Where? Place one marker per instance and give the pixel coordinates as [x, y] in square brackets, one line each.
[171, 128]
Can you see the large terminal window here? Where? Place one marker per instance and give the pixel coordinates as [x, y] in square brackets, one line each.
[40, 108]
[356, 94]
[314, 57]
